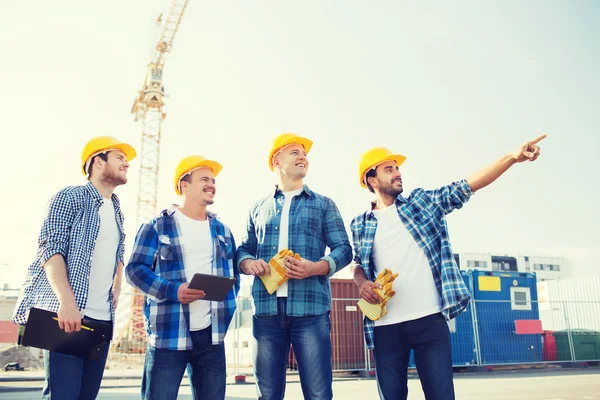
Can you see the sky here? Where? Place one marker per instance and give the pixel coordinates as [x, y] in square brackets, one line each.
[451, 85]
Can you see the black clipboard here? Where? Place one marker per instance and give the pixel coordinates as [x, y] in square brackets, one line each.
[215, 287]
[42, 331]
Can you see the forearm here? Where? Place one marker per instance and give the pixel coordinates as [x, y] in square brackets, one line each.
[485, 176]
[118, 275]
[56, 271]
[155, 287]
[359, 275]
[244, 265]
[322, 267]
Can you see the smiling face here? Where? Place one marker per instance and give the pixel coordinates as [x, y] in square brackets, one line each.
[113, 171]
[292, 161]
[387, 180]
[200, 186]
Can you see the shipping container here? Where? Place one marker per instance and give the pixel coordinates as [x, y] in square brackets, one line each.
[348, 349]
[502, 298]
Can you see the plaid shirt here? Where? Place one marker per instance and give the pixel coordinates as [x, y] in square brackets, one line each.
[156, 268]
[423, 214]
[70, 228]
[314, 224]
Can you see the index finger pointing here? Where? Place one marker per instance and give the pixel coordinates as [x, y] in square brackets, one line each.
[538, 139]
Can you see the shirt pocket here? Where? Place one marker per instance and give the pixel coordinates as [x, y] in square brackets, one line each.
[225, 248]
[311, 225]
[426, 221]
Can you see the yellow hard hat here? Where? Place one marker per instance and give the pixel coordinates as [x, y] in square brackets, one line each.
[373, 158]
[191, 163]
[283, 140]
[100, 143]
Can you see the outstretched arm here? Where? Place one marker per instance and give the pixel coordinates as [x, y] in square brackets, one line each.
[529, 151]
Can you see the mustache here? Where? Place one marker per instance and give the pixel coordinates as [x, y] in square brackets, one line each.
[397, 180]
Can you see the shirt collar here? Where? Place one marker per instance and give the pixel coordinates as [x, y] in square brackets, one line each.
[171, 210]
[276, 191]
[399, 200]
[98, 198]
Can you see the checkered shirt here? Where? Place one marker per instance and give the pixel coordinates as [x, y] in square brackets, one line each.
[70, 228]
[157, 269]
[423, 213]
[315, 224]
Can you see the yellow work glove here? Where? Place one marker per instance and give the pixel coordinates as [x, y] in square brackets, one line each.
[277, 267]
[376, 311]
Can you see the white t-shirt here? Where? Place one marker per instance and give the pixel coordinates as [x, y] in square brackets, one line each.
[104, 261]
[394, 248]
[197, 248]
[284, 223]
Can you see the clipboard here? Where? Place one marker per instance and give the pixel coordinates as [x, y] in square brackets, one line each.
[216, 287]
[42, 331]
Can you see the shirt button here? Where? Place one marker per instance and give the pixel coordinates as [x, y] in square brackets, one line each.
[276, 228]
[273, 247]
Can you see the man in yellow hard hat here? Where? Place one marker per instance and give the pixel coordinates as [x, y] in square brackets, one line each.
[79, 265]
[409, 236]
[185, 331]
[293, 217]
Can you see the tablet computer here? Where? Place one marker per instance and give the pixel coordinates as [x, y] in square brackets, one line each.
[215, 287]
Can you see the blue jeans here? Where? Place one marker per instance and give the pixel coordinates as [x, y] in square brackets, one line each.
[71, 377]
[429, 337]
[205, 363]
[309, 337]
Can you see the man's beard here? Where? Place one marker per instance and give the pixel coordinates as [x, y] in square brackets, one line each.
[109, 177]
[388, 189]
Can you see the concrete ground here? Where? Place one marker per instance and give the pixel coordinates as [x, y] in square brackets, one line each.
[548, 384]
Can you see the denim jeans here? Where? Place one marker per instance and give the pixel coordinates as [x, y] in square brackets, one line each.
[71, 377]
[205, 363]
[309, 337]
[429, 337]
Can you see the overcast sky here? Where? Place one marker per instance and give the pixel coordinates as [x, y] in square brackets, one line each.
[452, 85]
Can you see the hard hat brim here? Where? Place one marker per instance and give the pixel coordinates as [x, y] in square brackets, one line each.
[213, 165]
[398, 158]
[306, 143]
[127, 149]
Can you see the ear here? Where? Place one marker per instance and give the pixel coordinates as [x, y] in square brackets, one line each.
[373, 182]
[98, 162]
[275, 162]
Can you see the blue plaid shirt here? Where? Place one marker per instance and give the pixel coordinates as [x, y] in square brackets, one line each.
[70, 228]
[314, 224]
[156, 268]
[423, 213]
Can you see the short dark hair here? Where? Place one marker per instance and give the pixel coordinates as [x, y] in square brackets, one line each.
[372, 173]
[103, 156]
[186, 178]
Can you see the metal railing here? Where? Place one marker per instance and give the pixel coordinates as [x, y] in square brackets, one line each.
[485, 334]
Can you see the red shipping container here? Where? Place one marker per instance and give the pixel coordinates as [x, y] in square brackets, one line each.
[347, 337]
[549, 346]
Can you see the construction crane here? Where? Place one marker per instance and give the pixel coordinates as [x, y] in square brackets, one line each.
[149, 109]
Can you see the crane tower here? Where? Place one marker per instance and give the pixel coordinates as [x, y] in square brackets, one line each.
[149, 109]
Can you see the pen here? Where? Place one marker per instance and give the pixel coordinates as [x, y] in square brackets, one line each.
[87, 328]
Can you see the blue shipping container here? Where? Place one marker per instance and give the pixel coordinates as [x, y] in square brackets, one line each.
[501, 298]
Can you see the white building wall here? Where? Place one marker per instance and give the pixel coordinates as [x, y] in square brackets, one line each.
[546, 268]
[480, 261]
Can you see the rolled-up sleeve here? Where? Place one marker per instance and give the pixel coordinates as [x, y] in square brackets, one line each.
[56, 229]
[140, 270]
[336, 238]
[451, 197]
